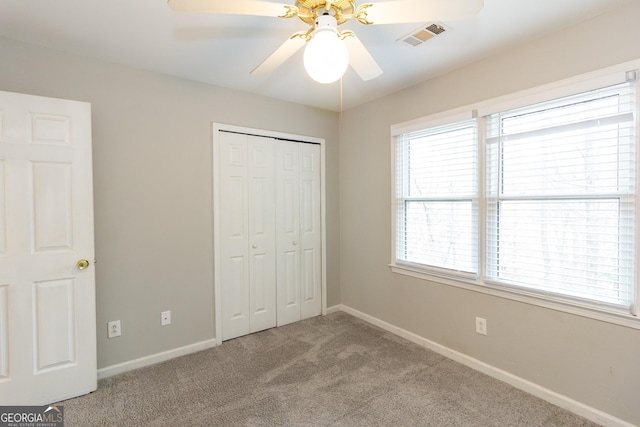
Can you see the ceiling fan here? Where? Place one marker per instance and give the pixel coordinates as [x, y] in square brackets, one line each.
[329, 51]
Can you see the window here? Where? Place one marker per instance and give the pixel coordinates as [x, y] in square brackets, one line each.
[437, 198]
[538, 199]
[560, 187]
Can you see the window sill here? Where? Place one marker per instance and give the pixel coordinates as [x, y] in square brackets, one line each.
[547, 301]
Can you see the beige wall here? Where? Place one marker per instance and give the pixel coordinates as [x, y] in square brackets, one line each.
[590, 361]
[152, 153]
[152, 181]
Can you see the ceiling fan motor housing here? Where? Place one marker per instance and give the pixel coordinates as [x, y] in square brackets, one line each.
[308, 10]
[326, 22]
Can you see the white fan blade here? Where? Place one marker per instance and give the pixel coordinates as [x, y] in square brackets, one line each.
[236, 7]
[280, 55]
[361, 60]
[406, 11]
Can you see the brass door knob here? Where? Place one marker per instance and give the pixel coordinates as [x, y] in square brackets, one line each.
[82, 264]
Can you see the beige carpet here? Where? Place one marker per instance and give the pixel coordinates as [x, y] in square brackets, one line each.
[327, 371]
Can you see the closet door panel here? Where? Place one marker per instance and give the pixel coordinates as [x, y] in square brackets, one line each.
[310, 231]
[287, 231]
[234, 262]
[262, 243]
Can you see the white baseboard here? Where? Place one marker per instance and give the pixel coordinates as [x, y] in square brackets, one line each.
[155, 358]
[334, 308]
[560, 400]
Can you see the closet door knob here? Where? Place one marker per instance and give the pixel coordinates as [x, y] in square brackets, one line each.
[82, 264]
[295, 242]
[254, 246]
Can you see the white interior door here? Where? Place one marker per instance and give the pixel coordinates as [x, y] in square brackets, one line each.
[310, 231]
[247, 226]
[234, 263]
[268, 229]
[47, 303]
[262, 243]
[288, 231]
[299, 234]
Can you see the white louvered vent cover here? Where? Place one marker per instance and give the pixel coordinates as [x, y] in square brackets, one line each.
[422, 34]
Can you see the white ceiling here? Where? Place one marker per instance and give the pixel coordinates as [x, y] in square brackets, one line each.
[222, 49]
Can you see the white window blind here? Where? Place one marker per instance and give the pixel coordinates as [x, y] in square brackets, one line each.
[436, 190]
[560, 187]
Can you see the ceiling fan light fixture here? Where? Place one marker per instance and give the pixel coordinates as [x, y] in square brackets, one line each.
[326, 57]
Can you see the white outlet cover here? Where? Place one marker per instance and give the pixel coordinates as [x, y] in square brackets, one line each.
[165, 318]
[114, 329]
[481, 326]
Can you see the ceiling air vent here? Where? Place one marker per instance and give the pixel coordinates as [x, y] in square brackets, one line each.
[422, 34]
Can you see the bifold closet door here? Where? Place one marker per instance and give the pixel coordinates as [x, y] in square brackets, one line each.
[298, 231]
[248, 264]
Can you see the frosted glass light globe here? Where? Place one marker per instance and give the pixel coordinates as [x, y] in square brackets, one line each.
[326, 57]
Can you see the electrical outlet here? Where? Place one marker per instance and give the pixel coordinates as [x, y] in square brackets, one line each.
[114, 329]
[165, 318]
[481, 326]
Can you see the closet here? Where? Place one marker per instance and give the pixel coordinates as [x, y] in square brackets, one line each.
[267, 231]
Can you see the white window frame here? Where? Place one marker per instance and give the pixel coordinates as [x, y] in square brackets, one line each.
[582, 83]
[402, 201]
